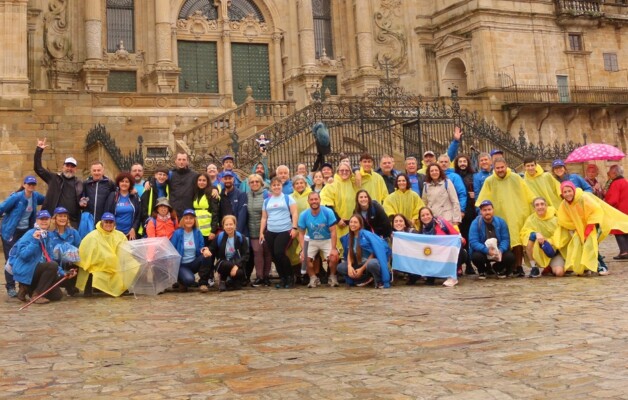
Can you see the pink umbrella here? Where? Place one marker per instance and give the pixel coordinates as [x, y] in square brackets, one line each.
[595, 151]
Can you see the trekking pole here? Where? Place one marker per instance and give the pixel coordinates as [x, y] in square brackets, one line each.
[72, 274]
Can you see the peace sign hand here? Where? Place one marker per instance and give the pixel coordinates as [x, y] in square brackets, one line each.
[41, 143]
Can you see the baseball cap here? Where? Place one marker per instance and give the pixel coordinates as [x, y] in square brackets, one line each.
[227, 157]
[429, 153]
[70, 160]
[30, 179]
[496, 151]
[326, 164]
[558, 163]
[108, 217]
[43, 214]
[60, 210]
[228, 173]
[486, 203]
[189, 211]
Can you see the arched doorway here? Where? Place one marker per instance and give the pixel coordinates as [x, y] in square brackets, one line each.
[455, 75]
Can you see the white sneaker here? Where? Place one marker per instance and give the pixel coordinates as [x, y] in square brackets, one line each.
[210, 283]
[450, 282]
[314, 282]
[333, 281]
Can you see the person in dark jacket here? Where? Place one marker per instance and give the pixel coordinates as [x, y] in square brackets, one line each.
[125, 206]
[155, 188]
[96, 190]
[231, 250]
[388, 172]
[64, 189]
[19, 211]
[463, 167]
[375, 218]
[238, 201]
[182, 183]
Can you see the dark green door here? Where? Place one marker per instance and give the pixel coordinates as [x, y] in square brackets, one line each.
[199, 67]
[250, 68]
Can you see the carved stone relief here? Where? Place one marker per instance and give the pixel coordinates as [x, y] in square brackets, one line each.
[391, 41]
[249, 26]
[196, 25]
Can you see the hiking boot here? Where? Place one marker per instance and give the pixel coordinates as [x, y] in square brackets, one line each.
[481, 276]
[534, 273]
[257, 283]
[203, 288]
[314, 282]
[469, 270]
[266, 282]
[519, 272]
[11, 292]
[333, 281]
[41, 300]
[211, 282]
[501, 275]
[22, 292]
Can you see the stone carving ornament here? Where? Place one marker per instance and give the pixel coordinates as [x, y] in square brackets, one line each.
[56, 35]
[197, 24]
[391, 40]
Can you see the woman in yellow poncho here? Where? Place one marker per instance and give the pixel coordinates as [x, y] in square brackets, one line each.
[99, 260]
[590, 220]
[300, 194]
[541, 183]
[340, 196]
[538, 232]
[404, 201]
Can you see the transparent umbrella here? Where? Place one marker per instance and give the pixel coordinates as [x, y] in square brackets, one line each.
[149, 266]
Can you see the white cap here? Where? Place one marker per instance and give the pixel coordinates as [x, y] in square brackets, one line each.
[70, 160]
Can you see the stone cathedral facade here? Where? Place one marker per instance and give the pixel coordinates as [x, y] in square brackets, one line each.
[556, 69]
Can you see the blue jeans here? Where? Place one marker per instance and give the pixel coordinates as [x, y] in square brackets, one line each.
[7, 245]
[187, 270]
[373, 269]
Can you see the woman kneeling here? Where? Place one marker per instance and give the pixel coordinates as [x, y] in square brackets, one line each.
[232, 253]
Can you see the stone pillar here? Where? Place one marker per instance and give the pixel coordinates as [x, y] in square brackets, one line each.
[227, 68]
[364, 35]
[165, 73]
[95, 72]
[305, 21]
[277, 67]
[14, 58]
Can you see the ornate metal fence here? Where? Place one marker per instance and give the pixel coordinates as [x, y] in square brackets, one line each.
[99, 134]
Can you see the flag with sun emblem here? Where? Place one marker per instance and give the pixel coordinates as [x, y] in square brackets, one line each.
[426, 255]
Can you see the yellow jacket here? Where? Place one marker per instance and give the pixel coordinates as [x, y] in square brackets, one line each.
[374, 184]
[545, 225]
[407, 203]
[341, 196]
[543, 184]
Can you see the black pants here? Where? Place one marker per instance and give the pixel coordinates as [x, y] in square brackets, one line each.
[44, 277]
[482, 263]
[278, 244]
[206, 271]
[622, 243]
[7, 245]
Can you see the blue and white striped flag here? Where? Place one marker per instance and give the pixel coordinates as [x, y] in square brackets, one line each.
[426, 255]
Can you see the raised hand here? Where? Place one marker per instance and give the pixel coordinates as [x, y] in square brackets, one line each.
[41, 143]
[457, 133]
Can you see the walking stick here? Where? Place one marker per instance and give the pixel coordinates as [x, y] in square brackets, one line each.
[70, 275]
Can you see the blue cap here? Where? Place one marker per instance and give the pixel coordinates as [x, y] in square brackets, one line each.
[61, 210]
[558, 163]
[108, 217]
[189, 211]
[496, 151]
[486, 203]
[43, 214]
[227, 157]
[228, 173]
[30, 179]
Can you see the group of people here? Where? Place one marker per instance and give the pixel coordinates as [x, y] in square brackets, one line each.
[234, 229]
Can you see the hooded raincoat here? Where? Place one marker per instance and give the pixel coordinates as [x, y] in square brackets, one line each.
[406, 203]
[340, 195]
[99, 257]
[585, 209]
[373, 183]
[543, 184]
[512, 201]
[545, 225]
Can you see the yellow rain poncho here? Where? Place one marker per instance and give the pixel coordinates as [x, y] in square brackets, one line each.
[585, 209]
[341, 196]
[374, 184]
[407, 203]
[512, 201]
[543, 184]
[302, 205]
[547, 226]
[98, 252]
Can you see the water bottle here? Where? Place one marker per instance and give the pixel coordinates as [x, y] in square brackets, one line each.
[306, 241]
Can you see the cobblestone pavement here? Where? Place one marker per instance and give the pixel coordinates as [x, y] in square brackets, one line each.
[546, 338]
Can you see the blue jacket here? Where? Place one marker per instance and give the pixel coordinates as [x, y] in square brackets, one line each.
[70, 236]
[452, 150]
[478, 180]
[477, 235]
[578, 181]
[239, 208]
[177, 241]
[371, 244]
[461, 189]
[13, 207]
[25, 256]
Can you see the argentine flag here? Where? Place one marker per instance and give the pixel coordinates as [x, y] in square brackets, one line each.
[426, 255]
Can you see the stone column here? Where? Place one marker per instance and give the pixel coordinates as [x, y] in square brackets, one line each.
[14, 59]
[227, 68]
[277, 67]
[364, 35]
[165, 74]
[305, 22]
[93, 29]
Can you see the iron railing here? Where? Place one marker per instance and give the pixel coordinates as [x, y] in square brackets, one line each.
[99, 134]
[573, 94]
